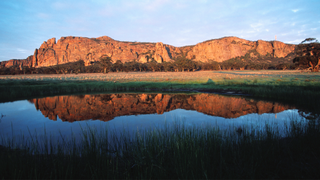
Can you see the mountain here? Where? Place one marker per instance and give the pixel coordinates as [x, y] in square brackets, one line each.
[17, 62]
[106, 107]
[71, 49]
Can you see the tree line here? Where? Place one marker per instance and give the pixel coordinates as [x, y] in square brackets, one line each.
[180, 64]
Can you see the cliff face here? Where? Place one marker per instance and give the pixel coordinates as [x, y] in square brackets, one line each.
[17, 62]
[72, 49]
[107, 107]
[230, 47]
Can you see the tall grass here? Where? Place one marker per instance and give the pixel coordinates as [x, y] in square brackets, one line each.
[175, 152]
[302, 89]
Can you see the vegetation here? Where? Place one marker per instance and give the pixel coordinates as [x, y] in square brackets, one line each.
[301, 89]
[106, 63]
[250, 61]
[175, 152]
[308, 55]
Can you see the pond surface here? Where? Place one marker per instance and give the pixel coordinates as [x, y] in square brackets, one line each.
[61, 116]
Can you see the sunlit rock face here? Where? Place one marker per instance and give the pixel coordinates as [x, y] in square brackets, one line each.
[230, 47]
[17, 62]
[108, 106]
[72, 49]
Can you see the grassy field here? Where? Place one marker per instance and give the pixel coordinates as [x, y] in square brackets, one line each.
[256, 77]
[302, 88]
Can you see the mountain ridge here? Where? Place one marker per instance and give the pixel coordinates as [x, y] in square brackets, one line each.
[72, 49]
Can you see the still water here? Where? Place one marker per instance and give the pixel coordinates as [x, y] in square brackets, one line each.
[61, 116]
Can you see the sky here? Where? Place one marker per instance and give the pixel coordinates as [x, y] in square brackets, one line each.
[26, 24]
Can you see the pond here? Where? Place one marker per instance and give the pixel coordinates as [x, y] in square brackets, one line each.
[66, 116]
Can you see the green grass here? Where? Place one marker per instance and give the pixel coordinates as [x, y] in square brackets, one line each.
[299, 91]
[171, 153]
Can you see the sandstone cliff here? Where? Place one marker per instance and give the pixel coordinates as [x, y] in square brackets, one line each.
[72, 49]
[108, 106]
[230, 47]
[17, 62]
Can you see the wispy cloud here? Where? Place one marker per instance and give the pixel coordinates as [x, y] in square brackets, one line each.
[24, 51]
[296, 41]
[295, 10]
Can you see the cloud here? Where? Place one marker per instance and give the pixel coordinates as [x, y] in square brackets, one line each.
[296, 41]
[257, 27]
[295, 10]
[24, 51]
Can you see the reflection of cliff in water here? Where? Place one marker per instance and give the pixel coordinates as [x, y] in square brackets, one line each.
[105, 107]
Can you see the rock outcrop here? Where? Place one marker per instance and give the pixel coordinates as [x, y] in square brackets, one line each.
[72, 49]
[108, 106]
[17, 62]
[230, 47]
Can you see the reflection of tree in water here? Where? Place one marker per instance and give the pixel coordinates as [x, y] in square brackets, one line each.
[80, 96]
[310, 115]
[106, 98]
[1, 117]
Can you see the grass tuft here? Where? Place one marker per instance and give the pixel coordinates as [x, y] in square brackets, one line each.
[175, 152]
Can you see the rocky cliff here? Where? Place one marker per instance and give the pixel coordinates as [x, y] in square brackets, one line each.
[72, 49]
[17, 62]
[108, 106]
[229, 47]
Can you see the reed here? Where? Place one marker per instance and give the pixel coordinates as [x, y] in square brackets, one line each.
[174, 152]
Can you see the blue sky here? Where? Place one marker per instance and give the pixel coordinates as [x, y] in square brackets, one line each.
[25, 24]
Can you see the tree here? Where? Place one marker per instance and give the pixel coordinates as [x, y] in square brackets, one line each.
[79, 66]
[308, 55]
[106, 63]
[168, 66]
[153, 65]
[182, 63]
[118, 66]
[142, 67]
[210, 65]
[310, 40]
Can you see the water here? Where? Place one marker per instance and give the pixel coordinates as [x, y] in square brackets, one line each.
[66, 116]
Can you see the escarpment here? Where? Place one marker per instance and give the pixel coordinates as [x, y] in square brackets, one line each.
[230, 47]
[72, 49]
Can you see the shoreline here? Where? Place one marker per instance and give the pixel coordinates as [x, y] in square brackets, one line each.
[289, 86]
